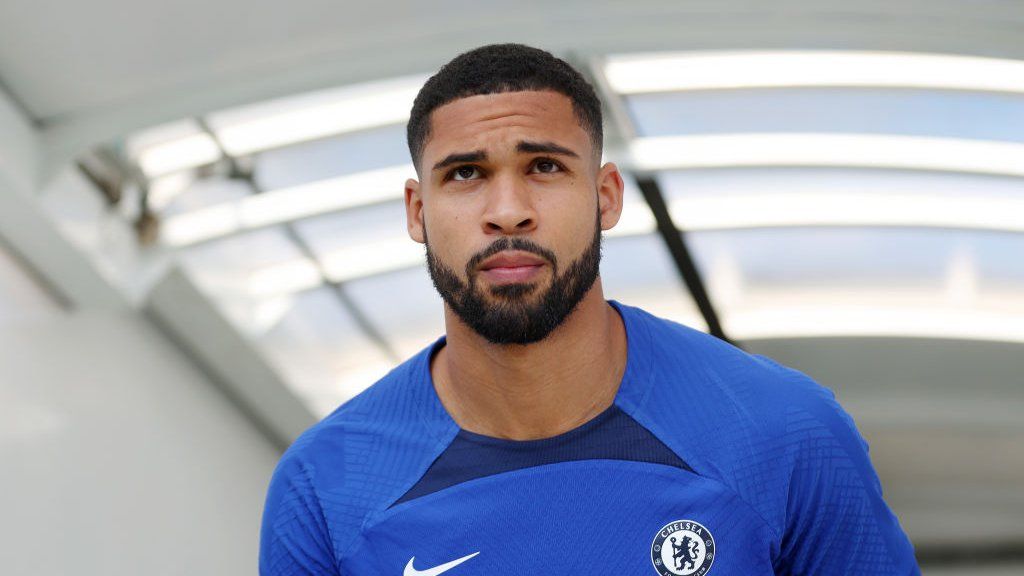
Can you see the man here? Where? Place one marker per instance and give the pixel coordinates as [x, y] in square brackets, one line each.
[551, 431]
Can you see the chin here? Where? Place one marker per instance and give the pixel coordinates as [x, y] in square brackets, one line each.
[514, 291]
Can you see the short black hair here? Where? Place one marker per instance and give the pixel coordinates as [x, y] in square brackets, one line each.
[499, 68]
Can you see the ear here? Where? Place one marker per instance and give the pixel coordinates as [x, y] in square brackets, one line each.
[414, 210]
[609, 194]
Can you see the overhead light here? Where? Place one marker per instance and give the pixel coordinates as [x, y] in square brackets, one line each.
[284, 121]
[268, 313]
[188, 152]
[826, 149]
[780, 209]
[286, 205]
[163, 190]
[325, 196]
[366, 259]
[199, 225]
[672, 72]
[349, 263]
[284, 278]
[172, 147]
[834, 319]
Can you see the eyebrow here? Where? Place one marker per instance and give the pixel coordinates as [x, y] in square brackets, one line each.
[524, 146]
[459, 157]
[544, 147]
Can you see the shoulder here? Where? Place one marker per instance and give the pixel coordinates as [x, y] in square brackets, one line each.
[363, 456]
[782, 443]
[730, 384]
[739, 418]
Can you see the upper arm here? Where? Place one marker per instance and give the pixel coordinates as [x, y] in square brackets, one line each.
[836, 521]
[294, 538]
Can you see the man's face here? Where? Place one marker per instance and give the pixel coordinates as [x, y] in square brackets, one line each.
[511, 205]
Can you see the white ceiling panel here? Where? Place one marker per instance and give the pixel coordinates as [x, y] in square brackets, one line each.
[92, 71]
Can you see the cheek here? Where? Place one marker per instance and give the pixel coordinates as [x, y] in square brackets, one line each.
[449, 242]
[454, 222]
[579, 214]
[572, 239]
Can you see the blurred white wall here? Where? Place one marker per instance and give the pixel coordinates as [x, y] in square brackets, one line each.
[119, 457]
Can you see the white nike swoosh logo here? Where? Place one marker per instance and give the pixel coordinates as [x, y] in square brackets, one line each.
[410, 571]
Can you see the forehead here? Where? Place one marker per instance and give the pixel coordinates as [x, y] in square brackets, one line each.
[475, 122]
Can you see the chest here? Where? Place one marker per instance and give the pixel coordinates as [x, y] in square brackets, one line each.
[583, 517]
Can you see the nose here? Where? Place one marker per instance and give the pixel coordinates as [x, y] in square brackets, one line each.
[509, 207]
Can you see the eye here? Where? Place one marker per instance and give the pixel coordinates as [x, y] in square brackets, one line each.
[465, 173]
[545, 166]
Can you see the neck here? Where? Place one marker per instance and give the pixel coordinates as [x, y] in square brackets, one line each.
[538, 390]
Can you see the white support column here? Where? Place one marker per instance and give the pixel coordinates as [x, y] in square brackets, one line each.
[28, 230]
[189, 318]
[19, 147]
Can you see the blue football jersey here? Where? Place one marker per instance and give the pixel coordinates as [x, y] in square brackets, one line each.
[711, 460]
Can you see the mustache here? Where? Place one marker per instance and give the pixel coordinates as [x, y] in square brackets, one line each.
[506, 243]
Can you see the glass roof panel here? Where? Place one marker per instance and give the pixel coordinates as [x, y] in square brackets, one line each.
[978, 115]
[840, 257]
[999, 259]
[203, 192]
[321, 351]
[332, 157]
[403, 306]
[862, 281]
[707, 199]
[306, 117]
[356, 226]
[638, 270]
[257, 265]
[172, 147]
[362, 241]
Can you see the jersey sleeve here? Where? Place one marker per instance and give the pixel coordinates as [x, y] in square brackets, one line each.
[294, 539]
[836, 521]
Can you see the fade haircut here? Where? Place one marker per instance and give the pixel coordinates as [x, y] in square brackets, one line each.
[499, 68]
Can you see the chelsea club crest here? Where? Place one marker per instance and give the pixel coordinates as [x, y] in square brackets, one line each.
[683, 548]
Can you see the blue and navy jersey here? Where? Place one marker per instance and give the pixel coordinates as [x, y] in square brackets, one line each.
[711, 460]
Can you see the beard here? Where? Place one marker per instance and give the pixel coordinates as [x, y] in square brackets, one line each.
[514, 314]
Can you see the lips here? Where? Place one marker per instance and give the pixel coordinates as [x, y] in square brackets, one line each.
[511, 267]
[511, 260]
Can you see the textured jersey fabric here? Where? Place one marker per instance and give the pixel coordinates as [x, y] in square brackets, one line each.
[710, 461]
